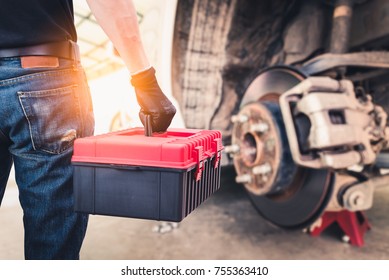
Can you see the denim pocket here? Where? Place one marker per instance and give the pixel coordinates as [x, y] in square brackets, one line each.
[53, 117]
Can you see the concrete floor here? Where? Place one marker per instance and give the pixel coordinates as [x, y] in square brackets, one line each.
[225, 227]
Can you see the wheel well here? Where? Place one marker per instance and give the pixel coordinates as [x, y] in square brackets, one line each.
[220, 46]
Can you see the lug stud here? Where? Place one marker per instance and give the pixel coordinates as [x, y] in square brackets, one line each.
[239, 119]
[232, 149]
[262, 169]
[243, 179]
[261, 127]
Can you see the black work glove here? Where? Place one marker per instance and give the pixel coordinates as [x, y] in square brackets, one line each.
[152, 101]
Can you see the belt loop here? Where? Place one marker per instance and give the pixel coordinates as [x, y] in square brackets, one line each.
[76, 51]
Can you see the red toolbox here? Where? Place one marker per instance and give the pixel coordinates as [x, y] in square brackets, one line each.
[163, 177]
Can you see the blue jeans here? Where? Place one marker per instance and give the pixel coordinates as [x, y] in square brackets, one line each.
[42, 111]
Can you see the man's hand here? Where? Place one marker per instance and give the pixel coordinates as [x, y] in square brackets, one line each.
[152, 101]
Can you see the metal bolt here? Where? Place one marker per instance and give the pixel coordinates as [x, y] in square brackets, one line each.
[356, 199]
[346, 238]
[232, 149]
[239, 118]
[359, 201]
[261, 127]
[377, 132]
[262, 169]
[165, 227]
[243, 179]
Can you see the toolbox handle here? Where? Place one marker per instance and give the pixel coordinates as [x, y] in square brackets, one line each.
[148, 127]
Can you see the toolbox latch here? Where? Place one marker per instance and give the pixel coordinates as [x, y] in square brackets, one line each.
[217, 148]
[199, 157]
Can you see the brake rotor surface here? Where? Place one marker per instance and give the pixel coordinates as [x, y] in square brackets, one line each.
[306, 195]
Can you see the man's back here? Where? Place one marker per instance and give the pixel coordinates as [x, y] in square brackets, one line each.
[34, 22]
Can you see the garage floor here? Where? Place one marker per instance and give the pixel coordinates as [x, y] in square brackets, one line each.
[225, 227]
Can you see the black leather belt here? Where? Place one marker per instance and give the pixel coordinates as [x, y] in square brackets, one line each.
[66, 49]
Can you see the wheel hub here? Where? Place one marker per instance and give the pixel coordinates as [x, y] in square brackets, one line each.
[263, 163]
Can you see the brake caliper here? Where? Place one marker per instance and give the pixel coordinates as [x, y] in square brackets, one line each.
[328, 125]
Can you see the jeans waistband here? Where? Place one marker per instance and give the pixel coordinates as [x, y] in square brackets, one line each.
[66, 49]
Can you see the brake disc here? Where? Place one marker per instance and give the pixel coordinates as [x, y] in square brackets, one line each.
[286, 195]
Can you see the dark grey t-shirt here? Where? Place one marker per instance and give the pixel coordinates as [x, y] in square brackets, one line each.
[31, 22]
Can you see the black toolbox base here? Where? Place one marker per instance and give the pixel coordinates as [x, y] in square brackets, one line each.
[142, 192]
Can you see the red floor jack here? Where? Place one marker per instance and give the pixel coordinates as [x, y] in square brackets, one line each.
[353, 224]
